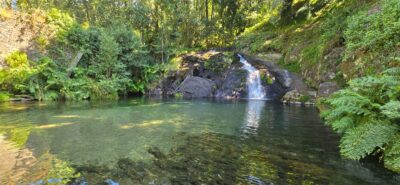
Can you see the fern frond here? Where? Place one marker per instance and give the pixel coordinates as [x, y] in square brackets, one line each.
[395, 71]
[392, 155]
[362, 140]
[343, 124]
[391, 110]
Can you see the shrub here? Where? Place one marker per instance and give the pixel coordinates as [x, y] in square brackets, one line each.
[61, 21]
[367, 113]
[15, 76]
[374, 31]
[218, 63]
[4, 96]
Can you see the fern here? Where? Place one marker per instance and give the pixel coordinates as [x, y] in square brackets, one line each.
[343, 124]
[391, 110]
[363, 140]
[392, 156]
[367, 113]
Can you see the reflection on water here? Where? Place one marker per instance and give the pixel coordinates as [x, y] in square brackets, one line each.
[174, 142]
[254, 112]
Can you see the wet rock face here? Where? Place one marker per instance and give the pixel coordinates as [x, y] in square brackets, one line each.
[284, 82]
[214, 74]
[234, 85]
[196, 87]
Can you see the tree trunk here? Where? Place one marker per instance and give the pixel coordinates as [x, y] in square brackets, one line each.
[74, 63]
[206, 10]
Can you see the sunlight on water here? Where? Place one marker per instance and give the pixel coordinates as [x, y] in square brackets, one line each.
[254, 110]
[144, 141]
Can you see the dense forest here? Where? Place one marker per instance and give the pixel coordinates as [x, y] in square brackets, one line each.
[109, 49]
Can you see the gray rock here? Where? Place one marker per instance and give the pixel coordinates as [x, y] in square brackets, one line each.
[286, 79]
[156, 92]
[292, 96]
[234, 85]
[297, 98]
[327, 88]
[274, 57]
[196, 87]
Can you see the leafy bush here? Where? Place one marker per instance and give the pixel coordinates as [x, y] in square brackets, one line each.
[61, 21]
[4, 96]
[15, 76]
[218, 63]
[375, 31]
[367, 113]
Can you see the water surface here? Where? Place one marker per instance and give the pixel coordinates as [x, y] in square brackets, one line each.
[143, 141]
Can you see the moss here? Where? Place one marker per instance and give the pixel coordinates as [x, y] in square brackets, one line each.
[293, 67]
[304, 99]
[267, 79]
[178, 95]
[218, 63]
[311, 55]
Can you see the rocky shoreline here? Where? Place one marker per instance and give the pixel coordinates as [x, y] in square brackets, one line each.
[214, 74]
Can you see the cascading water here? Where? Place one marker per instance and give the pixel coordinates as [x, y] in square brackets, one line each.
[254, 86]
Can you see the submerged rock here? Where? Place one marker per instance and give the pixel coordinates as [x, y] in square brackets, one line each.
[258, 181]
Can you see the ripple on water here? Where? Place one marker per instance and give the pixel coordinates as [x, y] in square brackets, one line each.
[175, 142]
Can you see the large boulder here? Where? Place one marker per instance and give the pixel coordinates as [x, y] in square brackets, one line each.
[196, 87]
[234, 85]
[327, 88]
[296, 97]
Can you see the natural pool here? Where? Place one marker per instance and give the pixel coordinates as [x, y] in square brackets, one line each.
[147, 141]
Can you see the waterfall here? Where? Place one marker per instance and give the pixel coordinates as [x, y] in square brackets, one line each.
[14, 4]
[254, 86]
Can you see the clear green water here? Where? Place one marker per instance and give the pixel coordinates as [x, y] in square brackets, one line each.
[144, 141]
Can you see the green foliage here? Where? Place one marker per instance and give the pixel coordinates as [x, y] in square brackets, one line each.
[4, 96]
[312, 54]
[304, 98]
[367, 113]
[267, 79]
[114, 62]
[375, 30]
[218, 63]
[364, 140]
[391, 110]
[15, 76]
[372, 36]
[61, 170]
[291, 66]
